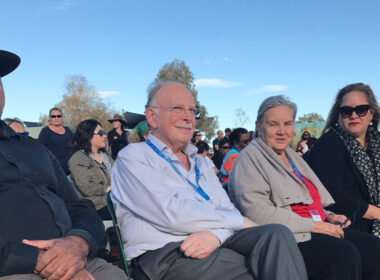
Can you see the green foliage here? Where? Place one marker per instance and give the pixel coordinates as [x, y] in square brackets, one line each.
[310, 117]
[177, 70]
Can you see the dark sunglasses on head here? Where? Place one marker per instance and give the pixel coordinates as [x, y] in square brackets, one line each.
[56, 116]
[361, 111]
[100, 132]
[226, 147]
[23, 133]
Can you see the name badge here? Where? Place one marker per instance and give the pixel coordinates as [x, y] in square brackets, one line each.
[315, 215]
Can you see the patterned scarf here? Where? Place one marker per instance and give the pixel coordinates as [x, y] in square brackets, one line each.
[368, 163]
[106, 161]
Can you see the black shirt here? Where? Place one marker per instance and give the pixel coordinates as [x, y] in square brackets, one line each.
[37, 202]
[117, 141]
[58, 144]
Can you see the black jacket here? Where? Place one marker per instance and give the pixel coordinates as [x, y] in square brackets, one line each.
[333, 165]
[37, 202]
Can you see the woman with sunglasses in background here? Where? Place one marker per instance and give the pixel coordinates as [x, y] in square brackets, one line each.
[346, 157]
[56, 138]
[90, 165]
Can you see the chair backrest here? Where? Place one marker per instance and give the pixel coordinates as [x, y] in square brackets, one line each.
[111, 210]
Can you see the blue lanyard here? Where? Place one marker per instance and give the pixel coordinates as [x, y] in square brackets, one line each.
[296, 171]
[196, 187]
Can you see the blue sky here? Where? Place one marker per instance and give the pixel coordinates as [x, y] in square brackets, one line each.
[240, 52]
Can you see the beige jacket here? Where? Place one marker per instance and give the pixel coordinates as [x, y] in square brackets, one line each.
[263, 188]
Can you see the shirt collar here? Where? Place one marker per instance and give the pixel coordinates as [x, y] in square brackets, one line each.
[6, 131]
[189, 149]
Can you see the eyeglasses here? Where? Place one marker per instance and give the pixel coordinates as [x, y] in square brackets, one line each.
[22, 133]
[198, 135]
[56, 116]
[226, 147]
[361, 111]
[100, 132]
[180, 110]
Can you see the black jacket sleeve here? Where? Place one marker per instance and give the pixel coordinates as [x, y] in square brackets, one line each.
[330, 161]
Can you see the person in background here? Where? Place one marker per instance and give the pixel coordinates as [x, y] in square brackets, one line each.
[140, 133]
[346, 157]
[224, 147]
[90, 165]
[56, 137]
[306, 147]
[227, 133]
[215, 143]
[272, 184]
[17, 125]
[118, 136]
[203, 149]
[303, 142]
[217, 159]
[171, 228]
[47, 232]
[197, 136]
[239, 138]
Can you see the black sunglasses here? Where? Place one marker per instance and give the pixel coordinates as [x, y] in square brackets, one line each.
[56, 116]
[100, 132]
[361, 111]
[226, 147]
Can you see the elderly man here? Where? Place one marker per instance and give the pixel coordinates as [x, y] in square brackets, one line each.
[46, 231]
[176, 220]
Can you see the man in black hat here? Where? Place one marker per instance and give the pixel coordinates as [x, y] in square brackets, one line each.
[46, 231]
[118, 136]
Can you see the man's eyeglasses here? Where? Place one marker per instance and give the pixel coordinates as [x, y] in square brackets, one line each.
[180, 110]
[361, 111]
[100, 132]
[56, 116]
[22, 133]
[226, 147]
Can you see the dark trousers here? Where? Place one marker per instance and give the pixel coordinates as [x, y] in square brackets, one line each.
[357, 256]
[264, 252]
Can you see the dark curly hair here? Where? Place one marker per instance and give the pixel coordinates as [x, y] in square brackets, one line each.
[235, 135]
[83, 135]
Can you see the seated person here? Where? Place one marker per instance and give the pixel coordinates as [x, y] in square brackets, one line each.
[47, 232]
[90, 166]
[203, 149]
[271, 183]
[17, 125]
[239, 138]
[175, 219]
[140, 133]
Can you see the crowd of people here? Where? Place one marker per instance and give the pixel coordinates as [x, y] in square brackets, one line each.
[255, 209]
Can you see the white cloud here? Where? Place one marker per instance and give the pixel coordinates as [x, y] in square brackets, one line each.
[226, 59]
[218, 83]
[268, 88]
[107, 93]
[64, 5]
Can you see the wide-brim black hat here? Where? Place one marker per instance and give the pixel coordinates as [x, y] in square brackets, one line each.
[8, 62]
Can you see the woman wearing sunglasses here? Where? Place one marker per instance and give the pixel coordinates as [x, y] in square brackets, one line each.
[347, 157]
[90, 165]
[56, 138]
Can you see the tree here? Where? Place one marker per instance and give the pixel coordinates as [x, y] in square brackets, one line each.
[80, 102]
[177, 70]
[311, 117]
[241, 118]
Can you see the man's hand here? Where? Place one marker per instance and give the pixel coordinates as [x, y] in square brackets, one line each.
[340, 220]
[200, 244]
[247, 223]
[60, 258]
[327, 228]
